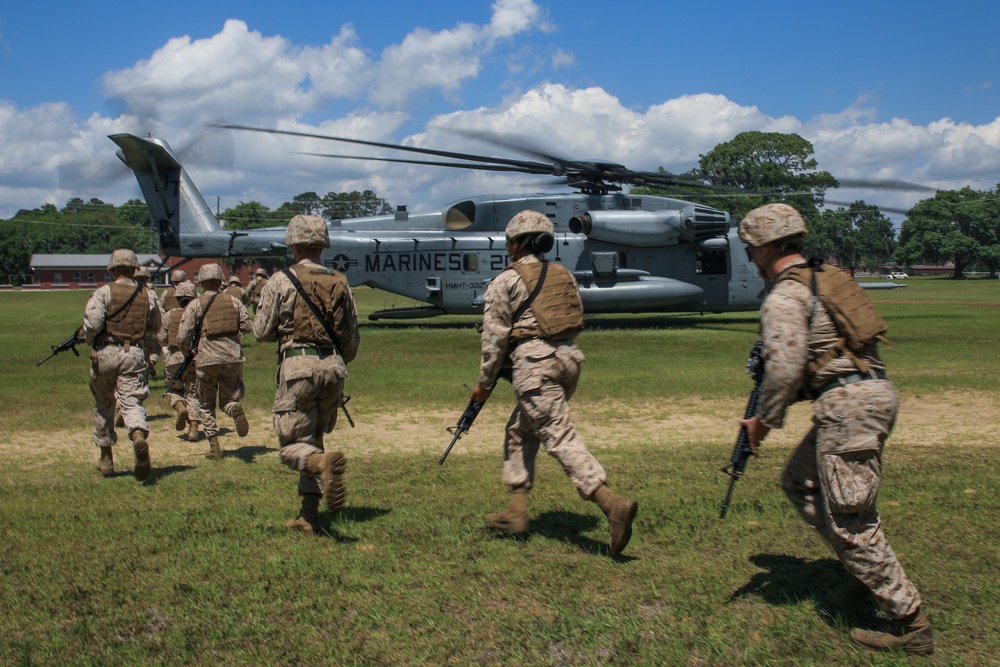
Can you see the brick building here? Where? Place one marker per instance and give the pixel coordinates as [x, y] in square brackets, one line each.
[85, 271]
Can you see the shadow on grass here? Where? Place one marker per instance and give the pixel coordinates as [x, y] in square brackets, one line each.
[360, 514]
[247, 454]
[156, 474]
[789, 580]
[566, 527]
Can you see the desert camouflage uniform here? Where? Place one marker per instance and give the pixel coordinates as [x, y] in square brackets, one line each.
[545, 375]
[254, 290]
[833, 475]
[219, 360]
[117, 370]
[172, 361]
[308, 386]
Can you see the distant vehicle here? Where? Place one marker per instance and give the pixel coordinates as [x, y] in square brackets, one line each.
[898, 275]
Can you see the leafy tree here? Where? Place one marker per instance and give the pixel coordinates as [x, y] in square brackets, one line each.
[858, 236]
[960, 226]
[342, 205]
[307, 203]
[248, 215]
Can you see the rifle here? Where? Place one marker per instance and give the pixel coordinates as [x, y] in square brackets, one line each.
[343, 406]
[741, 452]
[463, 425]
[68, 344]
[175, 381]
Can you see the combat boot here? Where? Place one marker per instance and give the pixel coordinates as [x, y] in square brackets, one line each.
[214, 448]
[308, 519]
[141, 448]
[620, 512]
[182, 416]
[329, 467]
[912, 634]
[106, 465]
[514, 519]
[192, 434]
[240, 419]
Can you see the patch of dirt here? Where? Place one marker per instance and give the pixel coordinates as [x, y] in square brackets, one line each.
[967, 419]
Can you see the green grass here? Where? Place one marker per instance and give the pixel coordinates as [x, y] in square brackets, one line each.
[195, 567]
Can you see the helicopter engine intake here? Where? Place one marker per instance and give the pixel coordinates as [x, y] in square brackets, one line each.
[636, 228]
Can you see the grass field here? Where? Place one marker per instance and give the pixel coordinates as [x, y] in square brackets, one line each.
[195, 567]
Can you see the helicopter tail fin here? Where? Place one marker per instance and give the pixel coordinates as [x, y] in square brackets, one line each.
[187, 227]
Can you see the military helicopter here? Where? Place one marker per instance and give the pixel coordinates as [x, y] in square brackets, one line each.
[629, 253]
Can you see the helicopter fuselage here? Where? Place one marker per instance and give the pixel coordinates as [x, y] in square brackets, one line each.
[629, 253]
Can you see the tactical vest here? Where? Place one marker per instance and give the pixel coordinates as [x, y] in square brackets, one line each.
[858, 322]
[557, 308]
[169, 300]
[175, 327]
[127, 322]
[325, 289]
[220, 319]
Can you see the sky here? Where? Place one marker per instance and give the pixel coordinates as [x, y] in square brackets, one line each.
[883, 90]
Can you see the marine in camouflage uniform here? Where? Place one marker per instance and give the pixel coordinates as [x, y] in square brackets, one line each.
[219, 355]
[535, 341]
[254, 289]
[168, 298]
[184, 395]
[312, 368]
[119, 316]
[833, 476]
[150, 345]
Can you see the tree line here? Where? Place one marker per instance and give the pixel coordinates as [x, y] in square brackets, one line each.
[953, 226]
[94, 226]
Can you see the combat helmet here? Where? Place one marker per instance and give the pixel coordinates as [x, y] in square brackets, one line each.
[210, 272]
[142, 273]
[185, 290]
[771, 222]
[123, 258]
[178, 276]
[307, 230]
[234, 280]
[260, 272]
[528, 223]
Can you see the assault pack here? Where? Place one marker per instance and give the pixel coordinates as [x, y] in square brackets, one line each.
[857, 320]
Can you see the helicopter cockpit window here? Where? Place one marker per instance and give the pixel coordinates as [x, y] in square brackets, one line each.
[460, 215]
[711, 263]
[470, 262]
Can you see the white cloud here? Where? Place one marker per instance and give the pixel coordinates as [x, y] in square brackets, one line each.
[243, 76]
[445, 60]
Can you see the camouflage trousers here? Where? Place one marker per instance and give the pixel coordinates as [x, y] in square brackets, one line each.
[188, 393]
[832, 479]
[222, 382]
[306, 401]
[545, 376]
[118, 377]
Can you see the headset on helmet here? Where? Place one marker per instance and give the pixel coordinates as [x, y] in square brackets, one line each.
[533, 224]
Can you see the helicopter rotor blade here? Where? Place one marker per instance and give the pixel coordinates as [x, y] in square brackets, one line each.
[884, 184]
[430, 163]
[528, 167]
